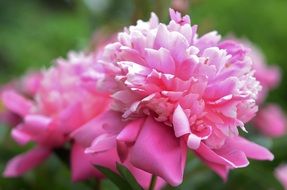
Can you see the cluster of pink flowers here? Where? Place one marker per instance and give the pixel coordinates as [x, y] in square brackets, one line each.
[144, 100]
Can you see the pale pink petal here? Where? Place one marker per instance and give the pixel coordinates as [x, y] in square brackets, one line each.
[160, 59]
[180, 122]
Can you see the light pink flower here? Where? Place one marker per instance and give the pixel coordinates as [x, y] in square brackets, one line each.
[62, 103]
[281, 175]
[173, 90]
[271, 121]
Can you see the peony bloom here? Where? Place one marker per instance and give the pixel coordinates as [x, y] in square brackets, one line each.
[172, 91]
[60, 103]
[271, 121]
[281, 175]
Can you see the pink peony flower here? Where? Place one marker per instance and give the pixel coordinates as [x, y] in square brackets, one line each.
[271, 121]
[281, 175]
[62, 103]
[174, 91]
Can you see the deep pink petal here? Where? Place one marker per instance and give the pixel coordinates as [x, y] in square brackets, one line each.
[128, 136]
[159, 152]
[81, 166]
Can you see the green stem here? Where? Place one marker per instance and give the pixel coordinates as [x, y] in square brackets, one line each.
[152, 182]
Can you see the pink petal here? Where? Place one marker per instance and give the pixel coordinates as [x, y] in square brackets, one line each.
[251, 149]
[159, 152]
[70, 118]
[16, 103]
[227, 157]
[107, 121]
[81, 166]
[25, 162]
[20, 136]
[160, 60]
[193, 141]
[103, 142]
[131, 131]
[175, 41]
[126, 136]
[180, 122]
[36, 124]
[143, 178]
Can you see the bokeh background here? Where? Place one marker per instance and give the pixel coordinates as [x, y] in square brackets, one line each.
[35, 32]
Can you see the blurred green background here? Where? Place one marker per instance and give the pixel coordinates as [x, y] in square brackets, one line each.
[35, 32]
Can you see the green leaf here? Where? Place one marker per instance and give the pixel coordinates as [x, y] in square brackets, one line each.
[120, 182]
[126, 174]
